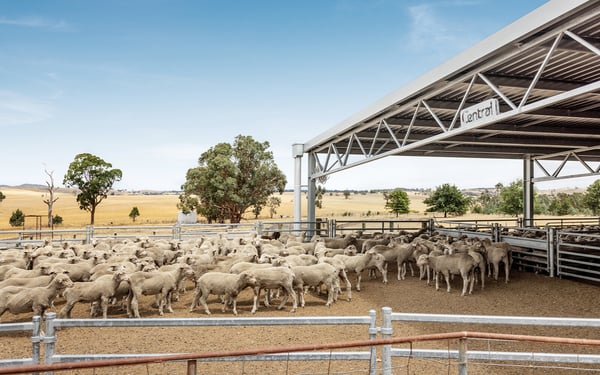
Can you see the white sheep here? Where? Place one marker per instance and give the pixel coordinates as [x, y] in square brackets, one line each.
[479, 264]
[316, 275]
[101, 290]
[228, 285]
[162, 283]
[18, 300]
[273, 278]
[455, 264]
[359, 263]
[398, 253]
[496, 253]
[78, 271]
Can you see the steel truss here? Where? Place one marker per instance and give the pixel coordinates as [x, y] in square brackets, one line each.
[429, 125]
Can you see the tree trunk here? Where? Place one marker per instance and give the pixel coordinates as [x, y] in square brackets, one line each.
[92, 214]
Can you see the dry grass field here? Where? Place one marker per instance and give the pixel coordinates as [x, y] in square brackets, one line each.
[162, 208]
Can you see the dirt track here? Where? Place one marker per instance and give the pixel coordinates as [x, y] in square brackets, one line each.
[525, 295]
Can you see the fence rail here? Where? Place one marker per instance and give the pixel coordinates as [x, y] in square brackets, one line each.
[462, 354]
[53, 325]
[35, 328]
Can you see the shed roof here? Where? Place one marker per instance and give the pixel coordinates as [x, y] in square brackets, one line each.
[543, 71]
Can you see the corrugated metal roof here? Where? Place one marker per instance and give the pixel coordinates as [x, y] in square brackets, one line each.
[544, 71]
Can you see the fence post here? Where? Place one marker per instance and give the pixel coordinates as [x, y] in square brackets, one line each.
[49, 339]
[258, 227]
[386, 332]
[35, 339]
[373, 331]
[553, 242]
[192, 367]
[176, 232]
[462, 356]
[333, 228]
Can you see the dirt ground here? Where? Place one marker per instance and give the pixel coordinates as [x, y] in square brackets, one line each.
[526, 294]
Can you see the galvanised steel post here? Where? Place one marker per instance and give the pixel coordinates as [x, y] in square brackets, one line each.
[386, 332]
[35, 340]
[462, 356]
[49, 339]
[373, 331]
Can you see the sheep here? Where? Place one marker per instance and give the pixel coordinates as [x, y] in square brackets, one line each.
[79, 271]
[341, 267]
[369, 243]
[19, 272]
[102, 289]
[376, 263]
[270, 278]
[240, 267]
[298, 260]
[292, 250]
[162, 283]
[29, 282]
[110, 267]
[398, 253]
[455, 264]
[227, 285]
[37, 299]
[496, 253]
[20, 259]
[337, 242]
[358, 263]
[479, 264]
[316, 275]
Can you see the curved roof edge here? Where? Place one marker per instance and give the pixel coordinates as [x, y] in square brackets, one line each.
[541, 17]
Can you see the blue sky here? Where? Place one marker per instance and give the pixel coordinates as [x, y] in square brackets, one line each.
[150, 85]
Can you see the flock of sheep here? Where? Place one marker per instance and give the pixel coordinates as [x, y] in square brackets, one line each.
[109, 272]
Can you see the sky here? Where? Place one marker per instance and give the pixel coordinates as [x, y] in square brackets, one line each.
[149, 85]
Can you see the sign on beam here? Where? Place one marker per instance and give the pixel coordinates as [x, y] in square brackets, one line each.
[479, 113]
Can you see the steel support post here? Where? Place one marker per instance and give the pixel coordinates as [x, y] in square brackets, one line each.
[311, 193]
[527, 191]
[297, 152]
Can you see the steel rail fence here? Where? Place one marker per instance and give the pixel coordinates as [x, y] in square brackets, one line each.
[462, 355]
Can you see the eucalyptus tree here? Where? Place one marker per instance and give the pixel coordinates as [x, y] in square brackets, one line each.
[447, 199]
[397, 202]
[94, 178]
[231, 178]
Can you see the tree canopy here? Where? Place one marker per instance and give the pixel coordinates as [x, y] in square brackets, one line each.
[397, 202]
[511, 198]
[447, 199]
[134, 213]
[231, 178]
[592, 197]
[17, 218]
[94, 178]
[2, 196]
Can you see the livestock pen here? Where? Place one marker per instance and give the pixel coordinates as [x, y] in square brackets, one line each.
[558, 247]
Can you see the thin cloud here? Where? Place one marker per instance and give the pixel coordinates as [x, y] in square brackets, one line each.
[17, 109]
[36, 22]
[430, 31]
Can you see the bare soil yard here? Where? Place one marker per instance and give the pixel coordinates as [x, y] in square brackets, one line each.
[526, 294]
